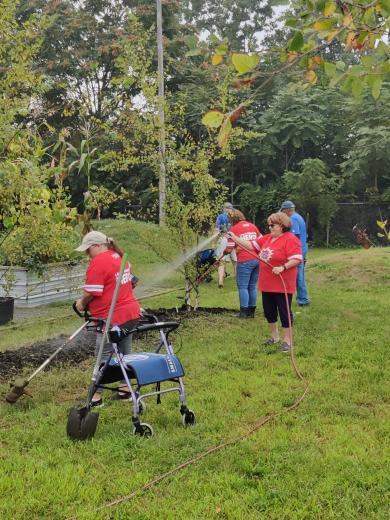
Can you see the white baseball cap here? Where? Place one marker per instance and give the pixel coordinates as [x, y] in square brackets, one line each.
[93, 238]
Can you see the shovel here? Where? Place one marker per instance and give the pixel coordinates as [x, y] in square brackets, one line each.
[18, 388]
[82, 423]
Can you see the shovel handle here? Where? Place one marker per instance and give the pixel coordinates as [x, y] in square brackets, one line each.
[105, 337]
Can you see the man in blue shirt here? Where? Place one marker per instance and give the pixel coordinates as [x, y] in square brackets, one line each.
[223, 219]
[298, 227]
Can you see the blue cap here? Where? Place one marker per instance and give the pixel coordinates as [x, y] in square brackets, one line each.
[287, 204]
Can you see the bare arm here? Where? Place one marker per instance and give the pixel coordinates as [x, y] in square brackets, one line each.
[288, 265]
[83, 302]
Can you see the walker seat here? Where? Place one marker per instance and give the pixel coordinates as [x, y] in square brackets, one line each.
[145, 367]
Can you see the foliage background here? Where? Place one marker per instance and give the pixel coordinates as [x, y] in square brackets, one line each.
[78, 84]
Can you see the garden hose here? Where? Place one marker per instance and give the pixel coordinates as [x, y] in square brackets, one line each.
[230, 442]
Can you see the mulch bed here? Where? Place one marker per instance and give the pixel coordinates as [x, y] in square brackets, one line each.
[13, 362]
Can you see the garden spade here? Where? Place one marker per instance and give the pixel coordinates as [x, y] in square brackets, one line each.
[82, 422]
[18, 388]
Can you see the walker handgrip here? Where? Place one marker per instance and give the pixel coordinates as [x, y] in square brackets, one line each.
[150, 317]
[171, 325]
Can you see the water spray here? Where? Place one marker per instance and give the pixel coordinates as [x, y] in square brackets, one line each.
[170, 267]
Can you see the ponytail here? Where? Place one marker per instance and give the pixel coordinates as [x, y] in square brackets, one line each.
[112, 246]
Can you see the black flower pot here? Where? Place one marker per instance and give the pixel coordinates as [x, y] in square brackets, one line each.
[6, 310]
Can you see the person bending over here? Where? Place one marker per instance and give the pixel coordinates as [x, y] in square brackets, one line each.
[281, 253]
[247, 266]
[223, 223]
[101, 278]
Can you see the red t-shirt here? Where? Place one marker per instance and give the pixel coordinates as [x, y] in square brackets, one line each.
[101, 277]
[246, 231]
[286, 247]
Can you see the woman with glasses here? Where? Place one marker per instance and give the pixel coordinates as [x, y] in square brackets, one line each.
[281, 253]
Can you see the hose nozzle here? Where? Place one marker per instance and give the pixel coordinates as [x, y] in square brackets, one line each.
[223, 228]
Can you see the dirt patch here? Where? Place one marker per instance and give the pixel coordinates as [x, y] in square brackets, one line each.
[14, 362]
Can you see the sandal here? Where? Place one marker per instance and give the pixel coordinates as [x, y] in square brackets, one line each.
[97, 404]
[123, 393]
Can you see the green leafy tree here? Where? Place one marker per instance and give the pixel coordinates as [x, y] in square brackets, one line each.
[20, 84]
[80, 45]
[359, 31]
[35, 220]
[366, 162]
[314, 191]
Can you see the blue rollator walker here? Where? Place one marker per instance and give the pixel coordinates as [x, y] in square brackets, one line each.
[137, 370]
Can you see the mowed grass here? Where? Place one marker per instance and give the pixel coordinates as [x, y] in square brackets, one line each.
[329, 458]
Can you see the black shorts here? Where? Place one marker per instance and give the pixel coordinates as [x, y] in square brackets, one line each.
[274, 304]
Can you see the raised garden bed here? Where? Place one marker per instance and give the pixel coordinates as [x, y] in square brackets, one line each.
[58, 282]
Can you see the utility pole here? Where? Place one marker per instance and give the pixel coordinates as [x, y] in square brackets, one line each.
[161, 116]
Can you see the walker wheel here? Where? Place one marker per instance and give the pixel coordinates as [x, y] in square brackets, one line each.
[143, 430]
[188, 418]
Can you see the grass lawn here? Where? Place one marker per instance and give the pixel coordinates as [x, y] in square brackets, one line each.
[328, 459]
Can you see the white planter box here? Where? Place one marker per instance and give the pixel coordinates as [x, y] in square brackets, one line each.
[58, 282]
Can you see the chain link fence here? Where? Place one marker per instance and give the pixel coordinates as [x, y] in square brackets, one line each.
[364, 214]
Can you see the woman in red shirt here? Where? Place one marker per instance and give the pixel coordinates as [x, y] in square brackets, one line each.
[101, 277]
[247, 271]
[281, 253]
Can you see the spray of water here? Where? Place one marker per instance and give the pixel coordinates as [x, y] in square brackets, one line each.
[166, 270]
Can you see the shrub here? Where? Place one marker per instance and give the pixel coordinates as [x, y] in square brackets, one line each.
[36, 223]
[35, 245]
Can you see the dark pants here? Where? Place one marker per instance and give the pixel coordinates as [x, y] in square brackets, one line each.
[274, 304]
[124, 346]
